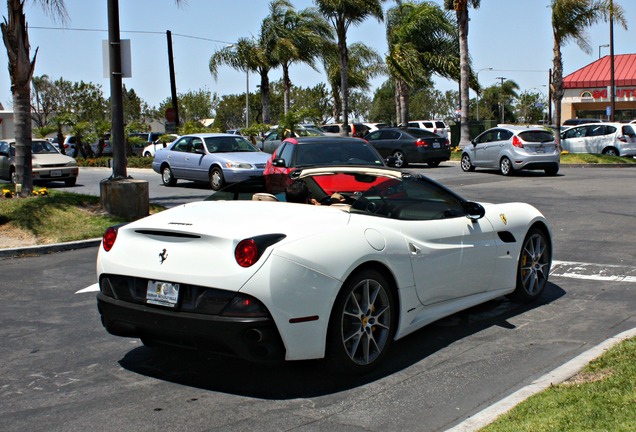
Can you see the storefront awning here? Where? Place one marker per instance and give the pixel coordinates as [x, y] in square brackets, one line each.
[597, 74]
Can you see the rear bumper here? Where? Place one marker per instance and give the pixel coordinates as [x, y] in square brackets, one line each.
[536, 161]
[255, 339]
[430, 155]
[54, 174]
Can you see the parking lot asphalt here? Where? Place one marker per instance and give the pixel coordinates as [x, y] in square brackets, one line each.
[475, 422]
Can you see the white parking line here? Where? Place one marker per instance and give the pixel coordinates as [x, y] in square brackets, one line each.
[90, 288]
[596, 272]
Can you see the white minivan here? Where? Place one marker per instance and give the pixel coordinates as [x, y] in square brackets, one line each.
[614, 139]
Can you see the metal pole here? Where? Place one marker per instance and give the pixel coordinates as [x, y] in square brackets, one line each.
[173, 84]
[116, 95]
[501, 102]
[613, 82]
[247, 99]
[483, 69]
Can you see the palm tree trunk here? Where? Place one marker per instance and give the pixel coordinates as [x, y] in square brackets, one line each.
[265, 93]
[403, 93]
[344, 76]
[462, 21]
[557, 88]
[286, 89]
[398, 104]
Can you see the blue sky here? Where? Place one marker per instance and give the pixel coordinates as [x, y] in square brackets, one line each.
[511, 36]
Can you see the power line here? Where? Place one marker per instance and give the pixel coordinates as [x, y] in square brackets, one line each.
[131, 31]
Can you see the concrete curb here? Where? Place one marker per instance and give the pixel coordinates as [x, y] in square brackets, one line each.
[557, 376]
[50, 248]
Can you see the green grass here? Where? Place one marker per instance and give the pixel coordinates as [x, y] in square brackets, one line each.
[601, 398]
[56, 216]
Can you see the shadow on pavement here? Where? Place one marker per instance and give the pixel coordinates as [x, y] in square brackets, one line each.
[305, 379]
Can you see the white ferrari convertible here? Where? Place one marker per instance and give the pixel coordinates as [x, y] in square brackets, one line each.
[381, 253]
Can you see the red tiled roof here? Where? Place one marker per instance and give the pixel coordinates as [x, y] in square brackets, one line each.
[597, 74]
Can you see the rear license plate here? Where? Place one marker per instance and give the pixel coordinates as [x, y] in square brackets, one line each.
[162, 293]
[541, 149]
[56, 173]
[436, 145]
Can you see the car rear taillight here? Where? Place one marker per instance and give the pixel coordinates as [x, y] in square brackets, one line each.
[249, 250]
[517, 142]
[622, 138]
[108, 240]
[421, 143]
[246, 253]
[447, 143]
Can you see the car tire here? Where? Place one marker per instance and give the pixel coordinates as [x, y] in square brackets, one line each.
[533, 267]
[505, 167]
[433, 164]
[552, 171]
[611, 151]
[466, 164]
[70, 182]
[400, 159]
[362, 323]
[147, 154]
[167, 177]
[217, 181]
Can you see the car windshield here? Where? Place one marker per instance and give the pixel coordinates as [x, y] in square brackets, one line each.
[42, 147]
[409, 197]
[226, 144]
[336, 153]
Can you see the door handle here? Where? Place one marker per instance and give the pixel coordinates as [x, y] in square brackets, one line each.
[414, 249]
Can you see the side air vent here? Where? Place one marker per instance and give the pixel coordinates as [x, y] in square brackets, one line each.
[506, 237]
[167, 234]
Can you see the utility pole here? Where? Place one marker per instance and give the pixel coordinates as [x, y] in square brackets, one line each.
[116, 93]
[173, 84]
[501, 102]
[612, 78]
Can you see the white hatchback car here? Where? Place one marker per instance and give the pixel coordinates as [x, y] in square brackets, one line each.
[614, 139]
[513, 148]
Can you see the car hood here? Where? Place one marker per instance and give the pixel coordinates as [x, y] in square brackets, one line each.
[250, 157]
[45, 159]
[196, 237]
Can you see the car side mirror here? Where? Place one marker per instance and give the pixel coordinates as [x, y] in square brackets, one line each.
[474, 143]
[199, 151]
[474, 211]
[279, 163]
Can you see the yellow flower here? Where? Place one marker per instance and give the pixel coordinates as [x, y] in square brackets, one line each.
[7, 193]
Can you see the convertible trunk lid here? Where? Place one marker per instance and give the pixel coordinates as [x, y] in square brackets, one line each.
[193, 242]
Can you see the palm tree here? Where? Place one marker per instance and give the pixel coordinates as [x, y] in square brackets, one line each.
[461, 10]
[422, 40]
[342, 14]
[247, 55]
[291, 36]
[570, 20]
[21, 68]
[364, 64]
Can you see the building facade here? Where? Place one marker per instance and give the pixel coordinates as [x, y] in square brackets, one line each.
[588, 90]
